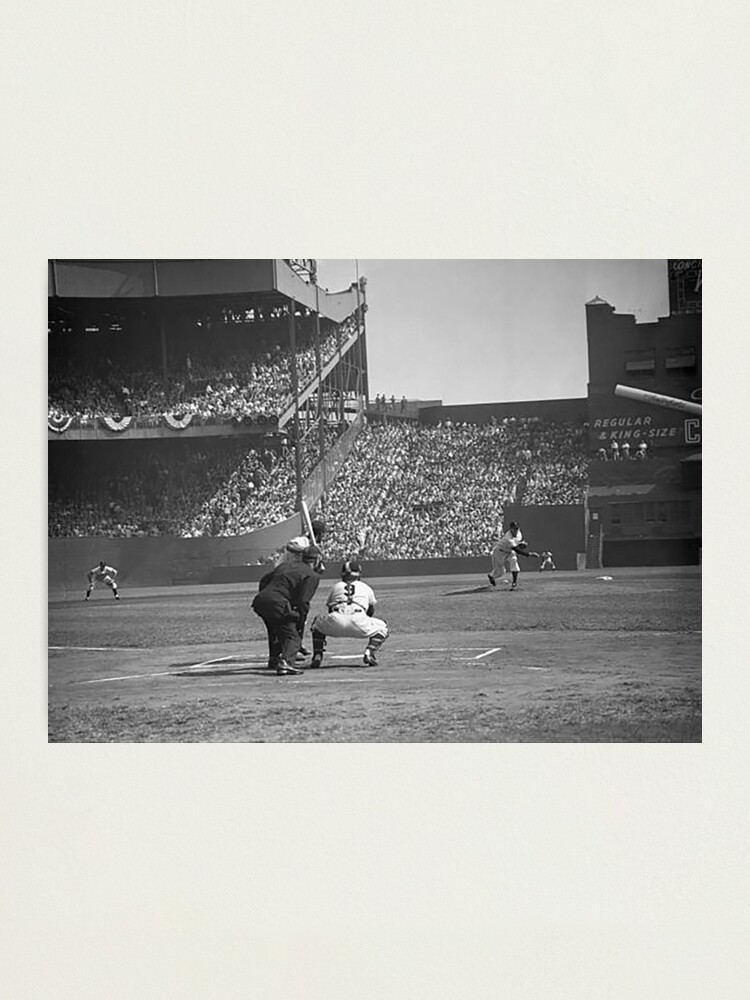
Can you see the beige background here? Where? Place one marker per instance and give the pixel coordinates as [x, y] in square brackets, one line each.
[328, 872]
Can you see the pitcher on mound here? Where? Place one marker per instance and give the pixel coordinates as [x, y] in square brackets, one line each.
[349, 615]
[505, 556]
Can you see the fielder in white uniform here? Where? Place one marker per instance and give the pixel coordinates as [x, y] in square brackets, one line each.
[350, 614]
[505, 556]
[103, 574]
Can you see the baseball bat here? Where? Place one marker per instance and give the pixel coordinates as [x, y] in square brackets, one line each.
[307, 527]
[657, 399]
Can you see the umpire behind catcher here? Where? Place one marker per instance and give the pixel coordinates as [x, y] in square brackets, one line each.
[282, 601]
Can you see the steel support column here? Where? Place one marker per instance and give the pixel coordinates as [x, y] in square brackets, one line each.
[295, 396]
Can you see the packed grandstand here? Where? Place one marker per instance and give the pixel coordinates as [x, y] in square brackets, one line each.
[220, 375]
[406, 490]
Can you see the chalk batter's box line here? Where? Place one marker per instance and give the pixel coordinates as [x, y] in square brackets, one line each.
[348, 656]
[160, 673]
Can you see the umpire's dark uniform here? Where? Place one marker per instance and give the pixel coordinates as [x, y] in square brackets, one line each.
[282, 601]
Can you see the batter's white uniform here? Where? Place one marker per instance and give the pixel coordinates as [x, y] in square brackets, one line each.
[346, 617]
[102, 574]
[504, 558]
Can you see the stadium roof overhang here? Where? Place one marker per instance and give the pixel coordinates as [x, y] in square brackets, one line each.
[269, 280]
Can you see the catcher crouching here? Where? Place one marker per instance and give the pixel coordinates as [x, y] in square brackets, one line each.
[350, 608]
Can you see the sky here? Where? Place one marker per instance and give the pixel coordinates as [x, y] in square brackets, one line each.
[485, 331]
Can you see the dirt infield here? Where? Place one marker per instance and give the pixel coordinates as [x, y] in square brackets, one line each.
[569, 657]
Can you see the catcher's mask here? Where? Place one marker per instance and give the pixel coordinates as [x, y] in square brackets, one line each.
[351, 570]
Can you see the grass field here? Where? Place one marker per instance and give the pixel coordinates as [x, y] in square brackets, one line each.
[568, 657]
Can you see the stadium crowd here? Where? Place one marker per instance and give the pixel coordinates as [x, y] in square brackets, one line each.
[416, 491]
[250, 497]
[135, 492]
[249, 381]
[405, 491]
[180, 488]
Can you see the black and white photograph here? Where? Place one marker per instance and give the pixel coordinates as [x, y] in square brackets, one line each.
[376, 652]
[374, 501]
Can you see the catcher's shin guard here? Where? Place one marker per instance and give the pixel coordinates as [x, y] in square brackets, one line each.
[374, 643]
[377, 640]
[319, 643]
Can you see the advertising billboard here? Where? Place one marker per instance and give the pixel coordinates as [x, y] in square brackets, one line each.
[685, 281]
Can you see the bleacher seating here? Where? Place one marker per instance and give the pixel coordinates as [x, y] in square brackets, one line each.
[432, 491]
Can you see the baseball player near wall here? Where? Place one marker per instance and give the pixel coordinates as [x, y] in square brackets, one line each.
[349, 614]
[102, 574]
[505, 555]
[548, 561]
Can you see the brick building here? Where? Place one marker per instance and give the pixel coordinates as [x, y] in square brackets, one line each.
[645, 511]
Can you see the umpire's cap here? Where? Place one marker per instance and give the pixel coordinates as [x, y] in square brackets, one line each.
[311, 554]
[514, 524]
[351, 569]
[319, 528]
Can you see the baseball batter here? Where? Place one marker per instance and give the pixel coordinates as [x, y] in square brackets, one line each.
[349, 613]
[282, 601]
[290, 555]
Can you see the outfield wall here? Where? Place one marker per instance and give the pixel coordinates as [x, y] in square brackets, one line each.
[161, 562]
[370, 569]
[164, 562]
